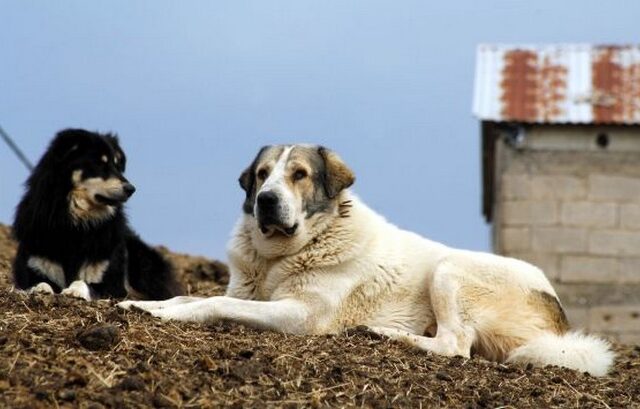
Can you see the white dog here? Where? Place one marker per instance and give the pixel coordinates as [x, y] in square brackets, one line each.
[308, 257]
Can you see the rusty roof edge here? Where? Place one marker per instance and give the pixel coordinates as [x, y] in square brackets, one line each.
[557, 83]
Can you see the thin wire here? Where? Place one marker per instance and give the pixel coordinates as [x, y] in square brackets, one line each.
[15, 149]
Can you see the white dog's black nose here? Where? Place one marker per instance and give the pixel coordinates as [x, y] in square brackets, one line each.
[267, 201]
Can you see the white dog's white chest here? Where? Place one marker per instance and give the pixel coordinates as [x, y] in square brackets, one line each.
[268, 283]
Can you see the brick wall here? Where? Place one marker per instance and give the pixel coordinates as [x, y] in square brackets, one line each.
[572, 207]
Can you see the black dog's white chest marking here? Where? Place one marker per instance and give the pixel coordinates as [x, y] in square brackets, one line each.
[50, 269]
[91, 273]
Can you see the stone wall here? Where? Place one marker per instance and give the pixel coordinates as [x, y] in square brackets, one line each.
[567, 199]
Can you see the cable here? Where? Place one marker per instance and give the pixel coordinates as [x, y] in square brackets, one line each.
[15, 149]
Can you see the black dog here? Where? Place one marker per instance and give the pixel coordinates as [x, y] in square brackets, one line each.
[72, 233]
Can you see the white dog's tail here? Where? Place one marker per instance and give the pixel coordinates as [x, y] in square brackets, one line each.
[582, 352]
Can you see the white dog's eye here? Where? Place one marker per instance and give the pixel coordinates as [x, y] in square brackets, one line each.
[299, 174]
[262, 174]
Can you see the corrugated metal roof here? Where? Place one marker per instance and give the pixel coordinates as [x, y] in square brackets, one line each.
[564, 83]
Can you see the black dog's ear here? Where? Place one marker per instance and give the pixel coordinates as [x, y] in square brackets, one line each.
[247, 182]
[67, 143]
[337, 176]
[113, 139]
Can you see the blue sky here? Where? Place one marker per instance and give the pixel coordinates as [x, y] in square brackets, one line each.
[194, 88]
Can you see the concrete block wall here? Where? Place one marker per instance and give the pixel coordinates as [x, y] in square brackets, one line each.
[572, 207]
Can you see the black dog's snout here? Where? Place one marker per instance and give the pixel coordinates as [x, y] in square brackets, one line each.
[267, 200]
[129, 189]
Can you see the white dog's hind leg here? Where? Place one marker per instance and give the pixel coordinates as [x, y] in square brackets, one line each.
[443, 345]
[158, 305]
[78, 289]
[453, 336]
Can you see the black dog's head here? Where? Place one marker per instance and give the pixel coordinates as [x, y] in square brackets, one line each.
[89, 167]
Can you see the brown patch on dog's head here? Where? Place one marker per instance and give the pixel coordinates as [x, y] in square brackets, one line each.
[338, 176]
[323, 176]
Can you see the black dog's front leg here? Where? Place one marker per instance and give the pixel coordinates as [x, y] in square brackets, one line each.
[112, 283]
[26, 277]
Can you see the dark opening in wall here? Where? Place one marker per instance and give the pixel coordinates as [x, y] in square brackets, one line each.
[602, 140]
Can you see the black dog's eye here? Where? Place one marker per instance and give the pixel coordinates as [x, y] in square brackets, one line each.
[299, 174]
[262, 174]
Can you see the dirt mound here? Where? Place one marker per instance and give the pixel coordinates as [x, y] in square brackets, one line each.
[61, 352]
[7, 253]
[199, 275]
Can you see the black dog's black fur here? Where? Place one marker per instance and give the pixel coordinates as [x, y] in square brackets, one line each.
[44, 226]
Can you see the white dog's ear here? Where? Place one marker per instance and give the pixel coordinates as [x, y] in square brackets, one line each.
[337, 176]
[247, 182]
[247, 179]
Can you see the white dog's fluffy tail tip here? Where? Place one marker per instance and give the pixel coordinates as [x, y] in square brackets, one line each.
[575, 350]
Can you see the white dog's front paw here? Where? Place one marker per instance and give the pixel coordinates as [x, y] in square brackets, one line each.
[188, 309]
[185, 313]
[156, 305]
[125, 305]
[171, 314]
[144, 306]
[41, 288]
[78, 289]
[147, 306]
[164, 315]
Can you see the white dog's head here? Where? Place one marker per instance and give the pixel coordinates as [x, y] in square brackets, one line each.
[289, 188]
